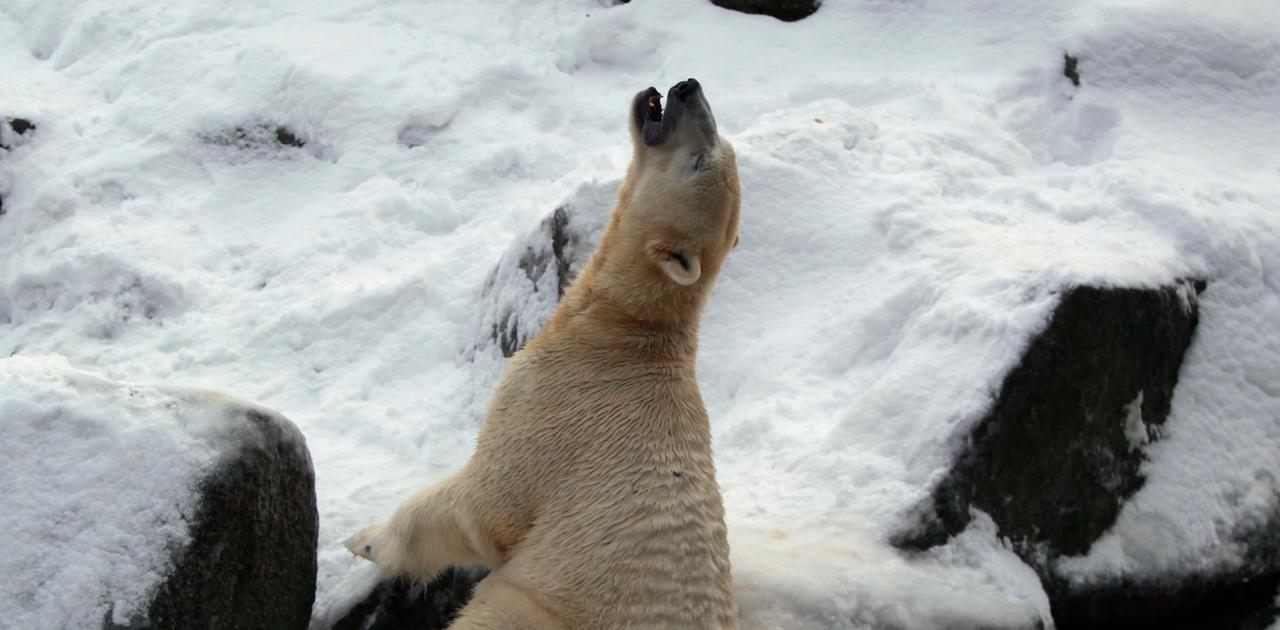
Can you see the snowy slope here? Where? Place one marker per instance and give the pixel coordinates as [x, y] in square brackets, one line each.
[918, 178]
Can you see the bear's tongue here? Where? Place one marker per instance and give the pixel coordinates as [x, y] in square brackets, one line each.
[652, 130]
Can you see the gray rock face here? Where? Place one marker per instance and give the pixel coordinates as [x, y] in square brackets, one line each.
[1062, 450]
[251, 562]
[785, 10]
[132, 505]
[525, 287]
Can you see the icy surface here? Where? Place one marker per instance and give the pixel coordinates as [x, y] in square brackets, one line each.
[919, 179]
[98, 481]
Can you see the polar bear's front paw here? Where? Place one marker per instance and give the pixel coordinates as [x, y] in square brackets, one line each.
[363, 543]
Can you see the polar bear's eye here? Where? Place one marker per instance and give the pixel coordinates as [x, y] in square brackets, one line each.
[701, 163]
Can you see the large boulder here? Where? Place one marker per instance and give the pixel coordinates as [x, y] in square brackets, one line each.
[527, 283]
[1063, 449]
[131, 505]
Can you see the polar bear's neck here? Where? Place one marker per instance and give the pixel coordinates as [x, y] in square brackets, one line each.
[590, 318]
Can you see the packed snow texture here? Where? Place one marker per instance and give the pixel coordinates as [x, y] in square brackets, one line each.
[99, 482]
[919, 181]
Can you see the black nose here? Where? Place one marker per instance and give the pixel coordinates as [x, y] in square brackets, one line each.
[686, 88]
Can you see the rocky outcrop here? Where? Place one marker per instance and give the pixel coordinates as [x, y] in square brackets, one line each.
[1062, 450]
[401, 604]
[525, 287]
[130, 505]
[251, 559]
[785, 10]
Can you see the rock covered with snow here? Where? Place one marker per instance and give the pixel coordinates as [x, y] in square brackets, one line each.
[1063, 449]
[129, 504]
[522, 291]
[785, 10]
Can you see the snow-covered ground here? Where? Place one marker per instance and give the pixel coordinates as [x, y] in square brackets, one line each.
[918, 177]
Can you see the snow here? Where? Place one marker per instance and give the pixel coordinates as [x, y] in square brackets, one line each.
[1135, 430]
[99, 480]
[919, 180]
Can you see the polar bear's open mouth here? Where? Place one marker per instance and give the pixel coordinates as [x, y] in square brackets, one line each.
[651, 118]
[683, 99]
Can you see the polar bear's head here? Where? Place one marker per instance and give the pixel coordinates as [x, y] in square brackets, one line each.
[677, 212]
[681, 192]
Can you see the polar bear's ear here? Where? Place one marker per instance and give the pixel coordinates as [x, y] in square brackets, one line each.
[684, 268]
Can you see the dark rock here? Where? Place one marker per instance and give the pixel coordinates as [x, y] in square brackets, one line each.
[194, 509]
[251, 560]
[21, 126]
[785, 10]
[403, 604]
[288, 138]
[1225, 601]
[1242, 598]
[14, 132]
[1062, 450]
[1052, 462]
[1070, 69]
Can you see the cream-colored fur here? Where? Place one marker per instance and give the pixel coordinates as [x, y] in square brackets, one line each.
[592, 491]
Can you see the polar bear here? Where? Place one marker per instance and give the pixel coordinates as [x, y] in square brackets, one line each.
[592, 492]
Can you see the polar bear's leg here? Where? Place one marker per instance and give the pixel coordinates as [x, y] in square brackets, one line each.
[433, 530]
[500, 604]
